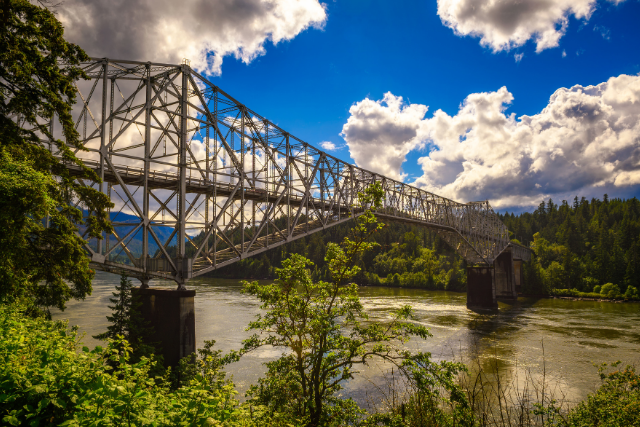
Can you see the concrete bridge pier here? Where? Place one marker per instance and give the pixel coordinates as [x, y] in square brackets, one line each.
[504, 276]
[171, 314]
[481, 292]
[518, 271]
[487, 284]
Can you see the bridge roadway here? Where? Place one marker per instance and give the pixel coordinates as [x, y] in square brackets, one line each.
[200, 185]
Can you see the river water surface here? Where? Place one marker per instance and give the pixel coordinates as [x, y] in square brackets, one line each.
[564, 338]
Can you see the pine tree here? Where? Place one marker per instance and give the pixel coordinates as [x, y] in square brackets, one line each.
[127, 321]
[121, 310]
[632, 274]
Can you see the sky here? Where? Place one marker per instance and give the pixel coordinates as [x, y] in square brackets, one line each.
[511, 101]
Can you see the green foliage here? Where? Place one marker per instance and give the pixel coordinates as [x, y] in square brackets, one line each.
[610, 290]
[127, 322]
[576, 294]
[631, 293]
[324, 332]
[581, 245]
[43, 266]
[416, 254]
[46, 380]
[615, 403]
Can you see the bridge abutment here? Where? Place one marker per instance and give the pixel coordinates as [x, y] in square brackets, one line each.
[171, 314]
[480, 288]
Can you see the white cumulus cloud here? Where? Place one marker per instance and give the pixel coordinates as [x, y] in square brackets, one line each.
[586, 140]
[200, 30]
[506, 24]
[328, 145]
[380, 134]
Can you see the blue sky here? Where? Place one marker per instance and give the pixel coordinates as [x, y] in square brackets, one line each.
[368, 48]
[309, 80]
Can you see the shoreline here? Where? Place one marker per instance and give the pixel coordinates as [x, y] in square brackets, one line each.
[616, 301]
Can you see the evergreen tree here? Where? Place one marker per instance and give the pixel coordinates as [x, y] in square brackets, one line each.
[632, 273]
[42, 258]
[127, 321]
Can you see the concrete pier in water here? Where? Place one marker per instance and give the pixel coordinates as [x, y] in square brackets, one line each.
[487, 284]
[172, 315]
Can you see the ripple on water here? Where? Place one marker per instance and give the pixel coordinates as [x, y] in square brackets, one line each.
[601, 333]
[557, 330]
[448, 320]
[596, 344]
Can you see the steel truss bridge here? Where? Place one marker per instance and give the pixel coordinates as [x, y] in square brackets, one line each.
[200, 181]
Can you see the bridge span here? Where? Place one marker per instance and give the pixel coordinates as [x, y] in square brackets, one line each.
[200, 181]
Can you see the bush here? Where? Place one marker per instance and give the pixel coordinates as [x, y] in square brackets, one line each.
[589, 282]
[610, 290]
[596, 289]
[46, 380]
[575, 293]
[631, 293]
[615, 403]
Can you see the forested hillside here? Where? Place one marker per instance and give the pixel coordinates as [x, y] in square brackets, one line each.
[406, 256]
[583, 245]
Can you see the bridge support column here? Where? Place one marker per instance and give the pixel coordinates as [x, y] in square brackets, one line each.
[172, 315]
[144, 282]
[518, 272]
[504, 276]
[480, 288]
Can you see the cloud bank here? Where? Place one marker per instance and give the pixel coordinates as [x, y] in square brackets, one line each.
[381, 133]
[203, 31]
[586, 139]
[506, 24]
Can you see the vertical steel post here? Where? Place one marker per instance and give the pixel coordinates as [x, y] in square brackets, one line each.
[113, 81]
[288, 184]
[103, 134]
[182, 190]
[145, 179]
[242, 177]
[208, 194]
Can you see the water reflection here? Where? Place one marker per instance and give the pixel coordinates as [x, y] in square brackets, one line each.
[566, 336]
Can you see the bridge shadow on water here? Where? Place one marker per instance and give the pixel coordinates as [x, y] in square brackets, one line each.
[508, 316]
[489, 333]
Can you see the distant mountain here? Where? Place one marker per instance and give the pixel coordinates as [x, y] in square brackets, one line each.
[134, 242]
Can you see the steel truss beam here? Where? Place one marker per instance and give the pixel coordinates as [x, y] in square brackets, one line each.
[204, 181]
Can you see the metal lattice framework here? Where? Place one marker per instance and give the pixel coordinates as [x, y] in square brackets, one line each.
[200, 181]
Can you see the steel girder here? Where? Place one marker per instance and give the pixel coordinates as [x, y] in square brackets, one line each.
[200, 181]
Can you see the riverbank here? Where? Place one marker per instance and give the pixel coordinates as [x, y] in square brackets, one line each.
[616, 301]
[539, 296]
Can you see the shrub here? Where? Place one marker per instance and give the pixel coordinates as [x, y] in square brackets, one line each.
[615, 403]
[589, 282]
[575, 293]
[596, 289]
[46, 380]
[631, 293]
[610, 290]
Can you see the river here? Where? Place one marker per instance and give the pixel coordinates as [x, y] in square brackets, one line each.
[564, 338]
